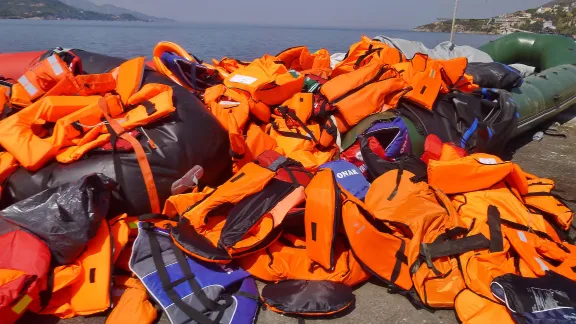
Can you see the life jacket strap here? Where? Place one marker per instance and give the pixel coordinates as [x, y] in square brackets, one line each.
[189, 277]
[117, 130]
[400, 258]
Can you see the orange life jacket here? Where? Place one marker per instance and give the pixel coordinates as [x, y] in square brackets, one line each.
[475, 172]
[541, 254]
[232, 110]
[49, 73]
[267, 82]
[486, 213]
[299, 59]
[228, 65]
[243, 215]
[365, 232]
[163, 47]
[8, 164]
[540, 199]
[131, 304]
[125, 80]
[323, 254]
[429, 77]
[287, 259]
[370, 89]
[83, 288]
[78, 126]
[256, 143]
[322, 218]
[4, 96]
[300, 143]
[367, 51]
[427, 219]
[474, 309]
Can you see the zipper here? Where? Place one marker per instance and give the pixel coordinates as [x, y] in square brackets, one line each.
[360, 87]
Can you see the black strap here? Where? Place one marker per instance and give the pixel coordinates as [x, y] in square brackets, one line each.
[6, 110]
[191, 312]
[292, 176]
[398, 178]
[289, 113]
[495, 225]
[365, 55]
[150, 107]
[451, 233]
[76, 125]
[288, 134]
[400, 258]
[248, 295]
[455, 247]
[524, 228]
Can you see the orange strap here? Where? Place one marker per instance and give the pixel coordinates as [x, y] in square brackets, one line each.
[140, 155]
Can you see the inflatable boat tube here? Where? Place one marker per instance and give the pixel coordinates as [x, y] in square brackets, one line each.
[13, 65]
[553, 88]
[190, 136]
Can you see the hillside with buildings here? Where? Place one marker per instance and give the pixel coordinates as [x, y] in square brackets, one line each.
[557, 17]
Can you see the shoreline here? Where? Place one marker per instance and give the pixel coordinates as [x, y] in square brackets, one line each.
[458, 32]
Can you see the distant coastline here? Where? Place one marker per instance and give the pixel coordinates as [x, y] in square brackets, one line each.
[59, 10]
[556, 17]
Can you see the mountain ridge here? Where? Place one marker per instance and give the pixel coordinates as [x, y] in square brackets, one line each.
[54, 10]
[112, 10]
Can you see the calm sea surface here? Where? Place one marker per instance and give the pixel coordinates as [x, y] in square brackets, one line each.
[128, 39]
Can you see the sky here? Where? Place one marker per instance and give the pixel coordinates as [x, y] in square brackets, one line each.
[392, 14]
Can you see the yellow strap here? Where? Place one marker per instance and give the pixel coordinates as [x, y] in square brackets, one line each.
[22, 304]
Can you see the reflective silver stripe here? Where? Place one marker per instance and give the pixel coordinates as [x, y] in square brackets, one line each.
[542, 265]
[29, 87]
[522, 236]
[55, 66]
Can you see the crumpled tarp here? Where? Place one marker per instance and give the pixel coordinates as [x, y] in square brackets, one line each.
[443, 51]
[65, 217]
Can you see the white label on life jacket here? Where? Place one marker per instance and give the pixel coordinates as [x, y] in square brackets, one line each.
[229, 103]
[243, 79]
[346, 173]
[489, 161]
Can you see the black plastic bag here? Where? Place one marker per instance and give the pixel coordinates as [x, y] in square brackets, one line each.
[495, 75]
[65, 217]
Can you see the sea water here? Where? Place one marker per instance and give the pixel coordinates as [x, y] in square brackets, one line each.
[129, 39]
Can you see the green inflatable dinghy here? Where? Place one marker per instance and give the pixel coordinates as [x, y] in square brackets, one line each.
[553, 88]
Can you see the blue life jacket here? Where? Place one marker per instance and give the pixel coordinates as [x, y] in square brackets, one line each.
[349, 177]
[189, 290]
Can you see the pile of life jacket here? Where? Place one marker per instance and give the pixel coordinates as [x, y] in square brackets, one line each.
[73, 113]
[325, 187]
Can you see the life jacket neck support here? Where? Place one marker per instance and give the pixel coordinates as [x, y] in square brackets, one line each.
[189, 290]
